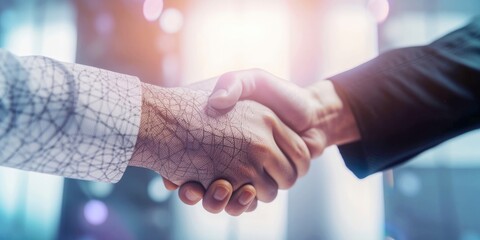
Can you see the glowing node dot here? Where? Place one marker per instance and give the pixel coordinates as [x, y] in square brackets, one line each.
[171, 20]
[152, 9]
[380, 9]
[95, 212]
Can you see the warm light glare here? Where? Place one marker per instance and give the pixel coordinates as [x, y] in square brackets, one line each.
[221, 37]
[171, 20]
[348, 38]
[379, 9]
[95, 212]
[341, 25]
[152, 9]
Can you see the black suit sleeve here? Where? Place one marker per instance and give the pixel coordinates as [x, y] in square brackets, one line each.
[408, 100]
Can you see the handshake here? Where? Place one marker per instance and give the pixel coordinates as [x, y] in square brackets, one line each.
[238, 138]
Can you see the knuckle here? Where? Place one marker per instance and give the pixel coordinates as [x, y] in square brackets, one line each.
[303, 159]
[269, 118]
[301, 153]
[259, 149]
[317, 149]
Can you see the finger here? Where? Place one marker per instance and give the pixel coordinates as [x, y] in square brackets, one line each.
[280, 169]
[276, 164]
[227, 91]
[293, 146]
[267, 188]
[285, 98]
[169, 185]
[241, 200]
[277, 94]
[217, 196]
[252, 206]
[315, 140]
[191, 193]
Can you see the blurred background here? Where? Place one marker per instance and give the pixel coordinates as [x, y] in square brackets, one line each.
[177, 42]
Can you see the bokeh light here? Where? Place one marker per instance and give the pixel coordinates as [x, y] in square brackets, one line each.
[152, 9]
[95, 212]
[171, 20]
[409, 184]
[100, 189]
[157, 191]
[379, 9]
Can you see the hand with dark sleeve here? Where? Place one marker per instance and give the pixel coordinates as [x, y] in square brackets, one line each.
[408, 100]
[381, 113]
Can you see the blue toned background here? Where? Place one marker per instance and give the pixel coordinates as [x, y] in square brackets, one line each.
[177, 42]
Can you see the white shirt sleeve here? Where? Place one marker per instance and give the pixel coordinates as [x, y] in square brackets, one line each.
[67, 119]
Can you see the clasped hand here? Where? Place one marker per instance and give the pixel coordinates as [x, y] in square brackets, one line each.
[230, 152]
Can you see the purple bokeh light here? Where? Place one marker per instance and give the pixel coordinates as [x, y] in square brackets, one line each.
[95, 212]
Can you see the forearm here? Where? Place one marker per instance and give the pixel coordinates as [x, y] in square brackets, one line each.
[66, 119]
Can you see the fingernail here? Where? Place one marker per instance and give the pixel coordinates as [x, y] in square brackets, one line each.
[220, 193]
[245, 198]
[191, 195]
[219, 93]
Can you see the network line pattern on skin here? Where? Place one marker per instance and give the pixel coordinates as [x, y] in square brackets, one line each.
[66, 119]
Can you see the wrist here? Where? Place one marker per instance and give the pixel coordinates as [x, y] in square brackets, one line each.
[332, 114]
[140, 150]
[154, 127]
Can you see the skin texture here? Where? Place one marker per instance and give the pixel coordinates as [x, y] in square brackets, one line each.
[317, 113]
[185, 141]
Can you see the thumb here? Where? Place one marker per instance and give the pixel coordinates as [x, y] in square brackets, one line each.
[228, 90]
